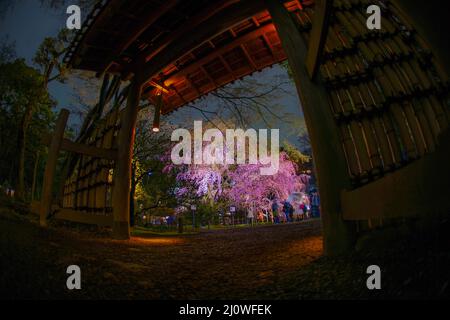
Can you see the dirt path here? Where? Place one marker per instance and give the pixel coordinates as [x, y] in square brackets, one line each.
[227, 263]
[273, 262]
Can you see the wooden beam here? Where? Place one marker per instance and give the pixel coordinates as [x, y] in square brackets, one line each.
[179, 94]
[299, 5]
[129, 16]
[50, 167]
[84, 149]
[84, 217]
[191, 83]
[145, 21]
[226, 65]
[185, 31]
[112, 32]
[211, 44]
[97, 25]
[109, 154]
[159, 86]
[222, 21]
[208, 76]
[225, 48]
[222, 83]
[268, 44]
[247, 56]
[318, 37]
[97, 47]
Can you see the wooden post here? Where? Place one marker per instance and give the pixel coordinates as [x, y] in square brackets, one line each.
[329, 159]
[33, 186]
[319, 33]
[50, 166]
[122, 171]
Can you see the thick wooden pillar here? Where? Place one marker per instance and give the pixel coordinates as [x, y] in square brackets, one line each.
[50, 167]
[319, 33]
[329, 159]
[122, 171]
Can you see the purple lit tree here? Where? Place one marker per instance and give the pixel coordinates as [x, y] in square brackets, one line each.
[240, 185]
[250, 188]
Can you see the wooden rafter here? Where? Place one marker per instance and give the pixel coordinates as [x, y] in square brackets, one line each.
[318, 35]
[222, 50]
[144, 22]
[152, 51]
[192, 84]
[105, 22]
[249, 58]
[268, 44]
[208, 75]
[227, 66]
[225, 19]
[255, 21]
[179, 94]
[204, 71]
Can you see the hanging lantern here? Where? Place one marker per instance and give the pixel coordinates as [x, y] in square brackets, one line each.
[157, 117]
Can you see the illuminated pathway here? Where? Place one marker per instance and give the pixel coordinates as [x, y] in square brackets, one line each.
[265, 262]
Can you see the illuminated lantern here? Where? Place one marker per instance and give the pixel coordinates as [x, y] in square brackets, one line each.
[157, 117]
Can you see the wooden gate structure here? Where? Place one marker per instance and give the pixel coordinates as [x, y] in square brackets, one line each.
[87, 190]
[376, 103]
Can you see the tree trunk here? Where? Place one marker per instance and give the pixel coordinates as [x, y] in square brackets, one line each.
[132, 193]
[22, 140]
[21, 144]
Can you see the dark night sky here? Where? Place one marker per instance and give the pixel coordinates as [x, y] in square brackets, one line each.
[27, 23]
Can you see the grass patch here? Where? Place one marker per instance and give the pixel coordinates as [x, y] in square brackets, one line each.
[149, 232]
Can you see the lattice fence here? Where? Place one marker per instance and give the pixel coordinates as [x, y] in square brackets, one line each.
[88, 189]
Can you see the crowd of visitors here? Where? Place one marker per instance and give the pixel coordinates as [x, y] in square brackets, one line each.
[298, 207]
[287, 210]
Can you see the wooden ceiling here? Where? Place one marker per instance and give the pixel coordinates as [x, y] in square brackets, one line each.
[186, 48]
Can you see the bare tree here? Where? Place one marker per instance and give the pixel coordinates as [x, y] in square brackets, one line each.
[305, 142]
[245, 102]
